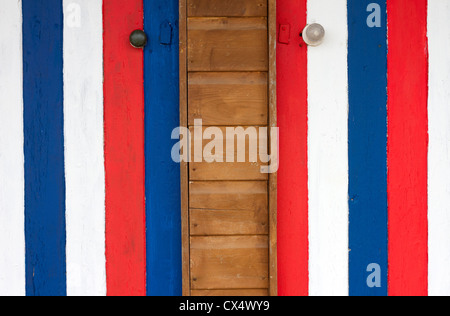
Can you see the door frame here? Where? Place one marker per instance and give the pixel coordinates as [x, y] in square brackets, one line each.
[184, 173]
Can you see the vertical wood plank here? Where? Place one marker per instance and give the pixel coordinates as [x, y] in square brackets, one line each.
[273, 262]
[162, 180]
[328, 151]
[367, 149]
[83, 135]
[184, 172]
[407, 147]
[45, 224]
[12, 237]
[124, 149]
[438, 156]
[293, 173]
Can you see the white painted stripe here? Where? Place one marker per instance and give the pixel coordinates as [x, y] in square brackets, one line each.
[439, 148]
[83, 127]
[12, 233]
[328, 151]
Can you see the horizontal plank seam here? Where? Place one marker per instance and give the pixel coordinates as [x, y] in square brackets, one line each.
[236, 289]
[225, 71]
[229, 17]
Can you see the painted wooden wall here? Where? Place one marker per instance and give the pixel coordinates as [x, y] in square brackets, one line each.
[90, 197]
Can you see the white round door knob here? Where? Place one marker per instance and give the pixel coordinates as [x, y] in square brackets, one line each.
[313, 34]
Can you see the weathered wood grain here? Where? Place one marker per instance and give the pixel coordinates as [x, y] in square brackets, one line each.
[227, 44]
[231, 99]
[229, 262]
[233, 195]
[227, 80]
[184, 167]
[198, 8]
[214, 165]
[228, 293]
[229, 222]
[273, 177]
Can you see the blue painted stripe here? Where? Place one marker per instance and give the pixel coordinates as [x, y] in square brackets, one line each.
[163, 199]
[367, 62]
[44, 147]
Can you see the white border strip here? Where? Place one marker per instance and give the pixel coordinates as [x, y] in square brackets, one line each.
[83, 127]
[12, 212]
[439, 148]
[328, 151]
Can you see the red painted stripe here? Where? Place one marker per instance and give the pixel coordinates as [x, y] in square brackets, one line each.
[124, 149]
[293, 173]
[407, 147]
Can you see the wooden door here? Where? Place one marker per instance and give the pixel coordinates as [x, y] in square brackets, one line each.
[227, 79]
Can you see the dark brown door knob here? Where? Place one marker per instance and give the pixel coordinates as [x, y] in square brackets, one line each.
[138, 39]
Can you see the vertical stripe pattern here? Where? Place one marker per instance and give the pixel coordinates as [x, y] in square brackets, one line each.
[12, 236]
[44, 147]
[407, 147]
[90, 196]
[367, 66]
[328, 151]
[163, 196]
[293, 172]
[83, 123]
[439, 151]
[124, 149]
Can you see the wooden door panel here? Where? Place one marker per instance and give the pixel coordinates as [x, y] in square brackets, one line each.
[229, 222]
[227, 44]
[227, 8]
[232, 195]
[214, 165]
[227, 80]
[225, 293]
[229, 262]
[228, 98]
[226, 171]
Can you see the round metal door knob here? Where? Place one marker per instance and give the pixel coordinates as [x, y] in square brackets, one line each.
[313, 34]
[138, 39]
